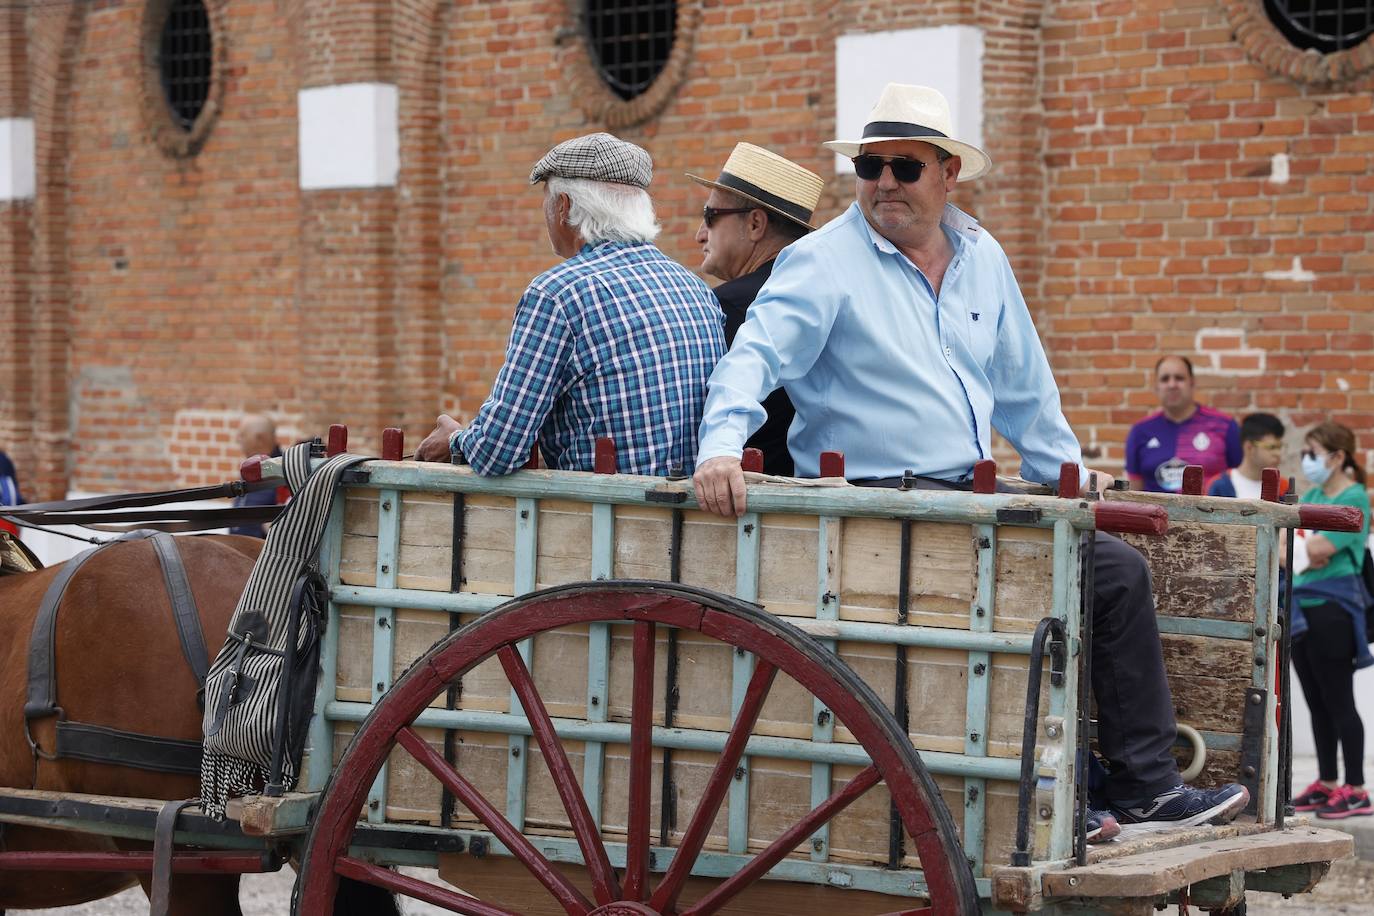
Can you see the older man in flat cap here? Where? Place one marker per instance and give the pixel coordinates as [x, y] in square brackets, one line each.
[758, 205]
[618, 340]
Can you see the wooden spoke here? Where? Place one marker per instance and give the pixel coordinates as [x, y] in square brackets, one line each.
[641, 763]
[584, 826]
[416, 889]
[563, 891]
[784, 844]
[665, 896]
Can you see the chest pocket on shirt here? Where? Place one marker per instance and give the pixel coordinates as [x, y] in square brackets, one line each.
[981, 324]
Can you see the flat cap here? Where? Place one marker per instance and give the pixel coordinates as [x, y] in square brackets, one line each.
[596, 157]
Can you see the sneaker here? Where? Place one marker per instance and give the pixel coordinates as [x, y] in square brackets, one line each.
[1184, 806]
[1312, 798]
[1347, 801]
[1101, 826]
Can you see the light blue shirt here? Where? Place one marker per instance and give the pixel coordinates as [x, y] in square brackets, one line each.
[882, 370]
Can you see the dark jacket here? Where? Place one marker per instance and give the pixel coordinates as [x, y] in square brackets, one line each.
[771, 438]
[257, 498]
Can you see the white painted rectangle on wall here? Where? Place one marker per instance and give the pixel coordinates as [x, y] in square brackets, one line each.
[349, 136]
[948, 58]
[18, 172]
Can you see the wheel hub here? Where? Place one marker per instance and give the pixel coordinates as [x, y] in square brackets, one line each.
[624, 908]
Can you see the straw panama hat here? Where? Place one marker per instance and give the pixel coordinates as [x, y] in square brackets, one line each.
[774, 183]
[915, 113]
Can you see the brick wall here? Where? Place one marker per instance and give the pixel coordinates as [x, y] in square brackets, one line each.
[1138, 147]
[1183, 179]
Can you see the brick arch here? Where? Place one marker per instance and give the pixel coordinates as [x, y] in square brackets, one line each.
[54, 38]
[1268, 47]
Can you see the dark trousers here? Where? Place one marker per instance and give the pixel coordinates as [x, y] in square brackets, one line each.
[1135, 712]
[1323, 658]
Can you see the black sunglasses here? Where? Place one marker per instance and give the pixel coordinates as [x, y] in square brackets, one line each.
[709, 214]
[870, 167]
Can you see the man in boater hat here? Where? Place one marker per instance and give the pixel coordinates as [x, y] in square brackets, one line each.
[759, 204]
[902, 338]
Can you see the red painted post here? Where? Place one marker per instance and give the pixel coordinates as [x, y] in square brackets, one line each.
[604, 460]
[1068, 480]
[1192, 480]
[832, 464]
[393, 444]
[1131, 518]
[752, 461]
[338, 440]
[985, 476]
[250, 469]
[533, 463]
[1330, 518]
[1270, 485]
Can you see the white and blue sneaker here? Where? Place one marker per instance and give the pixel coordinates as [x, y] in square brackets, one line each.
[1184, 806]
[1100, 827]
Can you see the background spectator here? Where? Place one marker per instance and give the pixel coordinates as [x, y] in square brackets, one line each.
[1184, 432]
[1261, 446]
[9, 491]
[257, 436]
[1329, 625]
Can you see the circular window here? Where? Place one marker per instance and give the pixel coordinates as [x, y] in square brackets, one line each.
[185, 60]
[631, 41]
[183, 68]
[1324, 25]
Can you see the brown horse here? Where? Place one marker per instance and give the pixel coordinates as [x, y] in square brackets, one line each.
[119, 664]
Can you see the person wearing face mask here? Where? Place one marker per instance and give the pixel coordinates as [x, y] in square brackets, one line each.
[1329, 625]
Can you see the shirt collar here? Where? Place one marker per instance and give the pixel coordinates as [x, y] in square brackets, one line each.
[963, 228]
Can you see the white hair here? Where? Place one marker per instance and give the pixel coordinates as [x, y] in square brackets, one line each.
[605, 212]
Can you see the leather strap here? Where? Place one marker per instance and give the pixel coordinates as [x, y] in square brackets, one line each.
[99, 744]
[162, 519]
[185, 614]
[41, 699]
[156, 498]
[164, 832]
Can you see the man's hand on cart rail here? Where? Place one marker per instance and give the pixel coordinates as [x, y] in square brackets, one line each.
[719, 483]
[435, 447]
[1105, 481]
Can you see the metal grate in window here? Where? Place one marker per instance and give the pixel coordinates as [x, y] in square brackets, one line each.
[630, 41]
[1324, 25]
[185, 59]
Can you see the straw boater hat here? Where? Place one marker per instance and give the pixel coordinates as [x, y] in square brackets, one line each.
[774, 183]
[915, 113]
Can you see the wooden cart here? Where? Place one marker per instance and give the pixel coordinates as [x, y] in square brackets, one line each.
[577, 693]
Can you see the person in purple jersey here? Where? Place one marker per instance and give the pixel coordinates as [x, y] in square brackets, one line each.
[1185, 432]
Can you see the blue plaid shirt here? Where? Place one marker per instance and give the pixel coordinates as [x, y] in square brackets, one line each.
[616, 341]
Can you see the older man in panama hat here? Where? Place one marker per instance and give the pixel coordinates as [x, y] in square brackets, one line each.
[617, 340]
[758, 205]
[900, 333]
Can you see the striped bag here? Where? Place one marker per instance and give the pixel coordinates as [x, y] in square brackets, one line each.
[243, 688]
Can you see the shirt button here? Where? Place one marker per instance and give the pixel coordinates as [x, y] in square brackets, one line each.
[948, 351]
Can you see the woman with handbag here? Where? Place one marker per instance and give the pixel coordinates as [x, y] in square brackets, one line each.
[1329, 643]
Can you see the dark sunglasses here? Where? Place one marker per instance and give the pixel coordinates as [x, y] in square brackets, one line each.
[905, 170]
[709, 214]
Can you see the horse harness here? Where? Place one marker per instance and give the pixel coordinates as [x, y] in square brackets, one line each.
[98, 743]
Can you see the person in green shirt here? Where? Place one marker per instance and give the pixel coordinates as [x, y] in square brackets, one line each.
[1329, 625]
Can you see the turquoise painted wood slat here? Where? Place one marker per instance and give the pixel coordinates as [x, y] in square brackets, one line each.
[979, 678]
[1068, 596]
[598, 658]
[383, 627]
[907, 882]
[689, 739]
[321, 737]
[1265, 652]
[829, 531]
[746, 587]
[1200, 626]
[526, 570]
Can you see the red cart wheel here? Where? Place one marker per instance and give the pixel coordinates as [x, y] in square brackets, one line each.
[777, 645]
